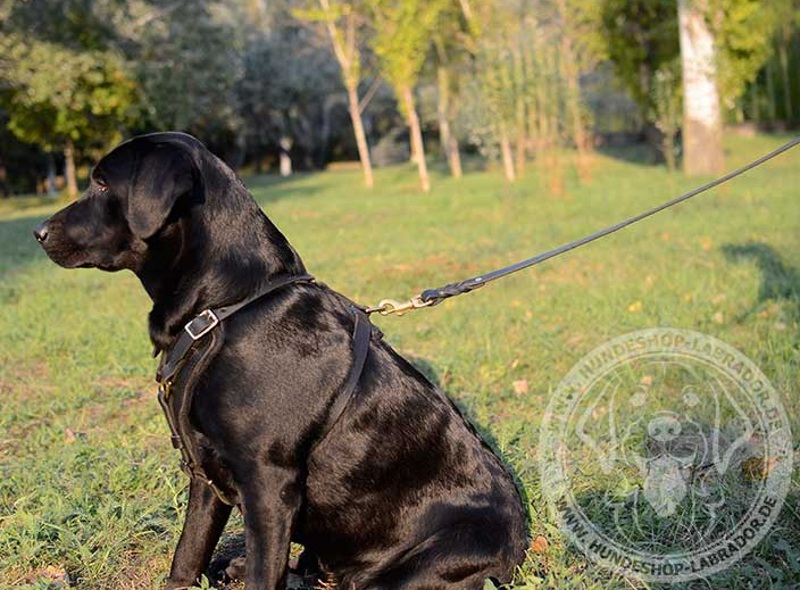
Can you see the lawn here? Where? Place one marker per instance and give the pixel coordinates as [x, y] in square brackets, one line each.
[90, 491]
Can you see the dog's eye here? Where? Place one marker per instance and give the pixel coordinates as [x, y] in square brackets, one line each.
[101, 184]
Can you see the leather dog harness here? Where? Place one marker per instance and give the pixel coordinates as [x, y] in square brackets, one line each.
[182, 365]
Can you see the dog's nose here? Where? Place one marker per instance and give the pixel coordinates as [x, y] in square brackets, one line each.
[40, 233]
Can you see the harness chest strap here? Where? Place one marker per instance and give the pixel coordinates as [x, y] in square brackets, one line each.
[181, 366]
[175, 399]
[207, 320]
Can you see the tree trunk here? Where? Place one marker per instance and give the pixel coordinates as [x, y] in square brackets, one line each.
[417, 147]
[505, 152]
[446, 136]
[284, 157]
[772, 99]
[702, 121]
[783, 55]
[570, 72]
[345, 48]
[5, 190]
[69, 170]
[361, 137]
[50, 182]
[520, 79]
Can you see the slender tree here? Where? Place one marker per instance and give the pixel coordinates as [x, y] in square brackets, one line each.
[491, 27]
[343, 21]
[445, 104]
[401, 42]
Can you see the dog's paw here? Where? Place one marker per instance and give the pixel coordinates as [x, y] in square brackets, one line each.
[236, 568]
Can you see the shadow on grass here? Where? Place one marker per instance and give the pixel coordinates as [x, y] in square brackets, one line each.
[640, 153]
[270, 188]
[779, 282]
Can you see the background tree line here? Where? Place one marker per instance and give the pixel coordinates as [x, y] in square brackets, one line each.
[308, 82]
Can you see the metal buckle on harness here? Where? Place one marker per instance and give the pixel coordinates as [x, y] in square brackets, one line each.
[201, 325]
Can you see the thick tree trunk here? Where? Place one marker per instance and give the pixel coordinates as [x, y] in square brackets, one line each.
[702, 121]
[69, 170]
[361, 137]
[446, 136]
[417, 147]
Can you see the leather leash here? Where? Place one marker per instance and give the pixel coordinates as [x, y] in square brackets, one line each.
[431, 297]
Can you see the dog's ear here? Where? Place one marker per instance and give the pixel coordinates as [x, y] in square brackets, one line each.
[164, 172]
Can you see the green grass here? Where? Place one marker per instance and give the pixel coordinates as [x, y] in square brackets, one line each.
[89, 484]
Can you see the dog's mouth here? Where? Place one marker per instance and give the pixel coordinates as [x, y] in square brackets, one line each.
[65, 256]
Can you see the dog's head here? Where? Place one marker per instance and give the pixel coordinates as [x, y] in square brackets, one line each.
[132, 197]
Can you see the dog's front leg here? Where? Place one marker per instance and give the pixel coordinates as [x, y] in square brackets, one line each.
[206, 516]
[270, 501]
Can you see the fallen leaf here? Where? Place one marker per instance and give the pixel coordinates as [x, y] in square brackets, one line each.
[719, 298]
[521, 386]
[635, 306]
[57, 577]
[758, 468]
[539, 544]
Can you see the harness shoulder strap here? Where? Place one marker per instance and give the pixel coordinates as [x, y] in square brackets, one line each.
[362, 335]
[207, 320]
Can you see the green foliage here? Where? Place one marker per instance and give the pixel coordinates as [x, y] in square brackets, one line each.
[743, 31]
[188, 59]
[667, 108]
[242, 73]
[528, 59]
[61, 94]
[286, 86]
[345, 22]
[403, 29]
[641, 38]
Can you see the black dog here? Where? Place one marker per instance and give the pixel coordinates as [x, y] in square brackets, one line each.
[390, 488]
